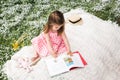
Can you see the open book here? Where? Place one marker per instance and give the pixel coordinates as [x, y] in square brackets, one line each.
[64, 63]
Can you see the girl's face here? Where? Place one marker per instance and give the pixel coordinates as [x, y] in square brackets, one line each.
[56, 27]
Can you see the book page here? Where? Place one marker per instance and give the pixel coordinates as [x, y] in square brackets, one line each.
[56, 66]
[73, 61]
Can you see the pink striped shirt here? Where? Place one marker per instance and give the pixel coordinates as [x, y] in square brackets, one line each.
[41, 47]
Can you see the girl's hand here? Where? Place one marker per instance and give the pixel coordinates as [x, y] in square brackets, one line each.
[70, 53]
[54, 54]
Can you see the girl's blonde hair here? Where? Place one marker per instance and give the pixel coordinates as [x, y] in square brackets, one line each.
[56, 17]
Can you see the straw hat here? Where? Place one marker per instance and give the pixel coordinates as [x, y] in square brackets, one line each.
[75, 19]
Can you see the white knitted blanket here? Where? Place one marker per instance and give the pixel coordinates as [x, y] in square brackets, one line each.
[99, 43]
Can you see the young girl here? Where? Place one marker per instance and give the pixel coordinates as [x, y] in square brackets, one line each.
[53, 40]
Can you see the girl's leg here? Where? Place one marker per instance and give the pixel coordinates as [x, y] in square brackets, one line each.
[35, 59]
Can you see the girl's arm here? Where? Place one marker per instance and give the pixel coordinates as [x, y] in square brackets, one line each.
[50, 48]
[66, 43]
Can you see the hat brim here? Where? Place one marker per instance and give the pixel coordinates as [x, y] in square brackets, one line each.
[75, 20]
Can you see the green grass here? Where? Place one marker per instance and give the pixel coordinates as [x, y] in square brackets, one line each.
[21, 20]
